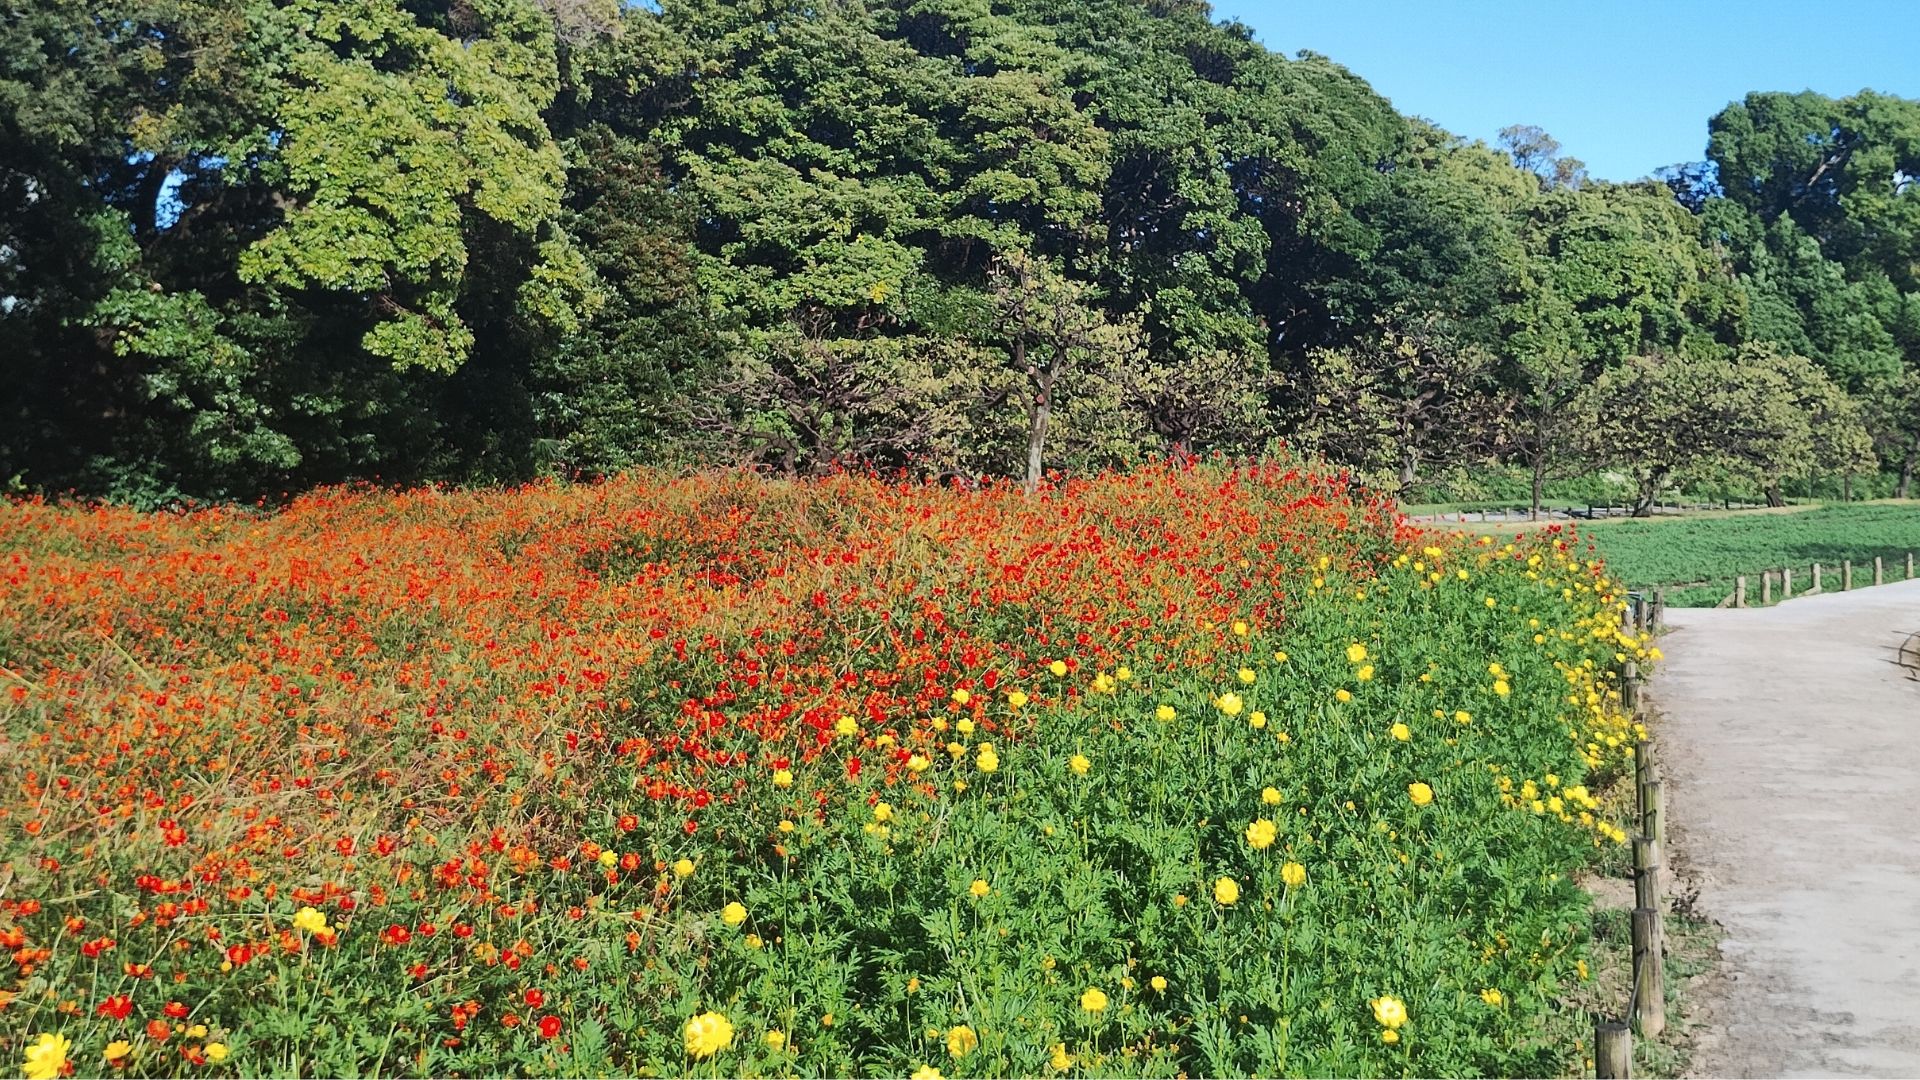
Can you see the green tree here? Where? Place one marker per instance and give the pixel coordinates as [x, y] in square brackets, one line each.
[283, 223]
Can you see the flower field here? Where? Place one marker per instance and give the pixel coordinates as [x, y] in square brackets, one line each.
[1198, 771]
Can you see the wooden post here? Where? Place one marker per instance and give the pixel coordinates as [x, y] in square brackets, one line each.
[1740, 591]
[1846, 575]
[1660, 601]
[1819, 581]
[1652, 798]
[1766, 587]
[1786, 583]
[1630, 688]
[1878, 577]
[1612, 1050]
[1646, 872]
[1909, 566]
[1649, 989]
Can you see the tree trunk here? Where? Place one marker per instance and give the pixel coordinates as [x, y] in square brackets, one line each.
[1846, 488]
[1539, 481]
[1905, 489]
[1774, 498]
[1037, 437]
[1649, 490]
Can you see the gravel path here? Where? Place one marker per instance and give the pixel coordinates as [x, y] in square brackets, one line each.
[1790, 740]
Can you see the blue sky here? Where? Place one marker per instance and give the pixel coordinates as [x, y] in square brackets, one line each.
[1625, 85]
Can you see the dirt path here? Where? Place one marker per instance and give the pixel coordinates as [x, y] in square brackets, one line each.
[1789, 740]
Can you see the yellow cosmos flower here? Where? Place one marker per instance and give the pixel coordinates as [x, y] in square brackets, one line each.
[1103, 683]
[1270, 796]
[776, 1040]
[1389, 1036]
[1389, 1011]
[1261, 833]
[1159, 984]
[845, 725]
[734, 914]
[1229, 704]
[1094, 1000]
[979, 887]
[753, 941]
[216, 1052]
[1293, 874]
[961, 1041]
[961, 697]
[683, 867]
[786, 826]
[987, 760]
[1401, 732]
[926, 1072]
[197, 1031]
[1365, 674]
[1492, 997]
[919, 763]
[1258, 719]
[608, 860]
[1342, 695]
[1502, 688]
[310, 920]
[1079, 764]
[1462, 716]
[1123, 673]
[120, 1048]
[46, 1057]
[964, 727]
[783, 778]
[1420, 793]
[1226, 891]
[708, 1034]
[1356, 652]
[1164, 712]
[883, 812]
[1240, 629]
[1059, 668]
[1017, 699]
[1058, 1059]
[1247, 676]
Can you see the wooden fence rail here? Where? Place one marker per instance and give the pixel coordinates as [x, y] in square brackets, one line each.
[1646, 1008]
[1738, 597]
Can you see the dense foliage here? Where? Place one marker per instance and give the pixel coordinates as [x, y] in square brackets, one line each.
[247, 246]
[1178, 772]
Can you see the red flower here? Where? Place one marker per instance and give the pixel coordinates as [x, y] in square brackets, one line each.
[396, 935]
[117, 1007]
[534, 999]
[158, 1031]
[177, 1010]
[549, 1027]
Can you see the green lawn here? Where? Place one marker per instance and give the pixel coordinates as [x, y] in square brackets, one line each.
[1697, 558]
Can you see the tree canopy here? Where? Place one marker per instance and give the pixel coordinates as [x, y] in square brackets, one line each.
[252, 245]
